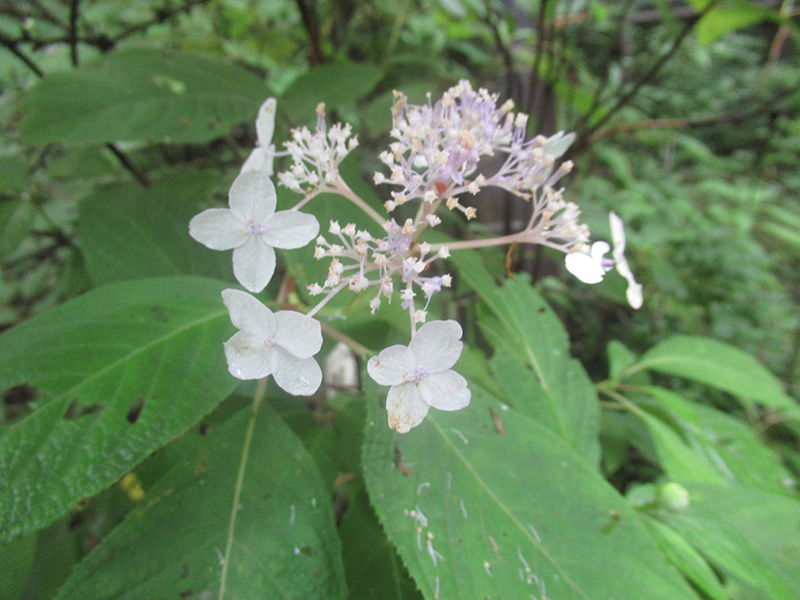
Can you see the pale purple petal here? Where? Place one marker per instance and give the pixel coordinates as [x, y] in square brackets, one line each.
[445, 391]
[265, 122]
[248, 356]
[290, 229]
[254, 264]
[436, 345]
[584, 267]
[253, 196]
[298, 376]
[392, 365]
[298, 334]
[557, 144]
[218, 229]
[249, 314]
[406, 407]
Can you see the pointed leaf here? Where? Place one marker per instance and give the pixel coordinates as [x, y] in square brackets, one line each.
[469, 527]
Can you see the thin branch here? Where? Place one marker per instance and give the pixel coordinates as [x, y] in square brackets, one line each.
[129, 166]
[586, 131]
[73, 31]
[11, 45]
[309, 18]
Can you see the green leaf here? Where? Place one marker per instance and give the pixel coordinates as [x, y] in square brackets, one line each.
[16, 219]
[686, 559]
[335, 85]
[117, 372]
[487, 503]
[143, 95]
[523, 324]
[130, 232]
[284, 541]
[334, 435]
[719, 365]
[749, 535]
[724, 443]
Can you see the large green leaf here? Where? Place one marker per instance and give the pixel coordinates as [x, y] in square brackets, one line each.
[143, 95]
[335, 85]
[117, 373]
[130, 232]
[487, 503]
[719, 365]
[333, 434]
[523, 325]
[749, 535]
[284, 543]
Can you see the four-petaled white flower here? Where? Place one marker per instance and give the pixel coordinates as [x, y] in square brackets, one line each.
[261, 157]
[280, 344]
[590, 267]
[252, 228]
[420, 375]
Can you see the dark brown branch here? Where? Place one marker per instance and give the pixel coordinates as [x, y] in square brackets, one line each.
[11, 45]
[505, 51]
[309, 18]
[73, 31]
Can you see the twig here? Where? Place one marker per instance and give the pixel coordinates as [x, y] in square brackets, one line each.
[587, 131]
[312, 28]
[73, 31]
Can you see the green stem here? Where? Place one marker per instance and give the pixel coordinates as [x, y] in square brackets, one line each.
[258, 396]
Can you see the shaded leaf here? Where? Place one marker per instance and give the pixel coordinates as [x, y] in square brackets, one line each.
[143, 95]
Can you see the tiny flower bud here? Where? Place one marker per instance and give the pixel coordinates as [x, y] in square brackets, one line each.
[471, 212]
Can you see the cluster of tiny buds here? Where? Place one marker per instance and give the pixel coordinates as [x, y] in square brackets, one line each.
[374, 262]
[317, 156]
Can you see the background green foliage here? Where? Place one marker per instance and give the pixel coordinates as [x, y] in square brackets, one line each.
[122, 435]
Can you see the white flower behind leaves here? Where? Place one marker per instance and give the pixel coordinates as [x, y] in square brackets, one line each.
[252, 228]
[591, 267]
[420, 375]
[280, 344]
[261, 157]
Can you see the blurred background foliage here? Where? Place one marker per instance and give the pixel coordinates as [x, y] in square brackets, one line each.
[687, 117]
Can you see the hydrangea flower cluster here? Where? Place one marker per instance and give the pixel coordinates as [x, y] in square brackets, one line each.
[438, 159]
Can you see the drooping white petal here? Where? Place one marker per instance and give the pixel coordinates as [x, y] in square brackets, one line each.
[254, 263]
[634, 291]
[445, 391]
[392, 365]
[260, 159]
[599, 250]
[291, 229]
[436, 345]
[584, 267]
[265, 122]
[248, 356]
[617, 235]
[406, 407]
[298, 376]
[253, 196]
[298, 334]
[218, 229]
[249, 315]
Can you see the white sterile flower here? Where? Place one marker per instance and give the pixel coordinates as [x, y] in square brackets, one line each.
[589, 267]
[420, 375]
[634, 291]
[252, 228]
[280, 344]
[261, 157]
